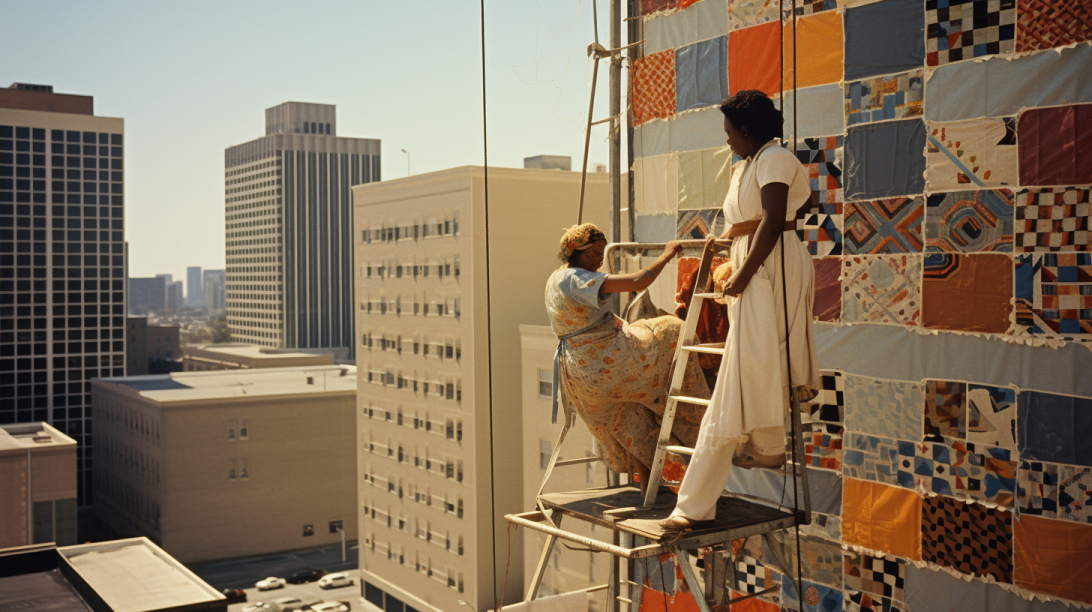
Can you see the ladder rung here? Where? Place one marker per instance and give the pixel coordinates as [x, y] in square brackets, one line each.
[690, 400]
[713, 349]
[709, 295]
[678, 450]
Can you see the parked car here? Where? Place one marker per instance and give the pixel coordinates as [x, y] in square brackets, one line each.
[259, 606]
[234, 596]
[335, 580]
[270, 583]
[286, 604]
[332, 606]
[306, 575]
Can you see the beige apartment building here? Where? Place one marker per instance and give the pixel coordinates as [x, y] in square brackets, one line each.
[430, 498]
[211, 465]
[208, 357]
[37, 486]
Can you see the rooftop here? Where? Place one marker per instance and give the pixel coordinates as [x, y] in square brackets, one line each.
[252, 351]
[195, 386]
[32, 435]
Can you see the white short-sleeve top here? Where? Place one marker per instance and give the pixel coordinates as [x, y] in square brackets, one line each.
[772, 164]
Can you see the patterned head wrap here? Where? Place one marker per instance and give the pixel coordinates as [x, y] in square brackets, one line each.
[578, 238]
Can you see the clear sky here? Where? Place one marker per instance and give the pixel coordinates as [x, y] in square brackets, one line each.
[192, 78]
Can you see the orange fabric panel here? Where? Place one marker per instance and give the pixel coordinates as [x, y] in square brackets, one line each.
[754, 59]
[753, 605]
[881, 517]
[656, 601]
[820, 59]
[1053, 557]
[685, 3]
[653, 84]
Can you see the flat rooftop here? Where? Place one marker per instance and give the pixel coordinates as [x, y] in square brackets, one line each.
[224, 384]
[32, 435]
[135, 575]
[40, 592]
[253, 351]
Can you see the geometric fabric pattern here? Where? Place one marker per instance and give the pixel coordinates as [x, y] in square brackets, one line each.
[653, 86]
[884, 226]
[969, 538]
[991, 416]
[876, 459]
[820, 228]
[1059, 286]
[806, 7]
[964, 29]
[1056, 490]
[969, 221]
[1044, 24]
[750, 575]
[823, 450]
[881, 98]
[957, 470]
[857, 601]
[747, 13]
[945, 410]
[1053, 219]
[972, 154]
[876, 575]
[882, 289]
[697, 224]
[829, 405]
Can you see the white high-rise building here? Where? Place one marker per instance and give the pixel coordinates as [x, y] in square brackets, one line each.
[289, 229]
[62, 245]
[195, 289]
[430, 499]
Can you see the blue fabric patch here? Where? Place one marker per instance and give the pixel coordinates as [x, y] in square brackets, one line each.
[701, 74]
[884, 37]
[885, 160]
[1054, 428]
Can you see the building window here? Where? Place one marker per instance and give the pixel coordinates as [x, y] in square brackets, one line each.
[545, 383]
[308, 530]
[336, 526]
[244, 430]
[244, 468]
[231, 430]
[233, 470]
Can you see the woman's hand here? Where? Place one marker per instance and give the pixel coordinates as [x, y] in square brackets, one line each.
[736, 284]
[671, 249]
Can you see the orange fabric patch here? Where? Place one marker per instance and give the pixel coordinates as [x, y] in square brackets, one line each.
[820, 60]
[753, 605]
[685, 3]
[653, 601]
[654, 86]
[754, 59]
[1053, 557]
[968, 293]
[881, 517]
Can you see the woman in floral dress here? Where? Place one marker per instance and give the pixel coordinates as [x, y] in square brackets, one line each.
[616, 375]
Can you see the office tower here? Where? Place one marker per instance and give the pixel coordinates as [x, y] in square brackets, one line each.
[38, 475]
[174, 296]
[424, 334]
[213, 282]
[62, 316]
[147, 295]
[289, 226]
[195, 289]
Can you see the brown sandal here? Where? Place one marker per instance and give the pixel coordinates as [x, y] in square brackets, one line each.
[681, 523]
[748, 458]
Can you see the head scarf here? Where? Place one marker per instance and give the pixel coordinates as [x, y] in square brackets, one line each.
[578, 238]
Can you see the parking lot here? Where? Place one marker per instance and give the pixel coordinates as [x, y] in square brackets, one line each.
[243, 573]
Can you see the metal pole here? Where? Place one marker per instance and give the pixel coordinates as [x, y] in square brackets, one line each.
[615, 157]
[633, 33]
[342, 531]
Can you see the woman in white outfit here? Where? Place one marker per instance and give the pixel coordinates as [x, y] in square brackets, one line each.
[745, 422]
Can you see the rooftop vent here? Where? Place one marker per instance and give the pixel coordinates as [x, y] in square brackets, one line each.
[31, 87]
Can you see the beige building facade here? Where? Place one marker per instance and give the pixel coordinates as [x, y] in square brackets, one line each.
[436, 475]
[209, 357]
[212, 465]
[37, 486]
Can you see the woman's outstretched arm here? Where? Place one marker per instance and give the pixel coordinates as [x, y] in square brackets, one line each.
[637, 281]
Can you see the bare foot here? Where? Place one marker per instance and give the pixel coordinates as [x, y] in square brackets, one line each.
[681, 523]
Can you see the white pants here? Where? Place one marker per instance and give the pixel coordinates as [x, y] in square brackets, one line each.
[709, 470]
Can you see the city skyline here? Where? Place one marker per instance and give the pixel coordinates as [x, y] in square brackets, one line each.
[188, 91]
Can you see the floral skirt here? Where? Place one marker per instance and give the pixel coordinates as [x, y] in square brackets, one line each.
[617, 375]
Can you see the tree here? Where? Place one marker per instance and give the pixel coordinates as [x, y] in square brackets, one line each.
[219, 328]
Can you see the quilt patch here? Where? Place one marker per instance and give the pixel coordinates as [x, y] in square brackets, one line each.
[882, 518]
[969, 538]
[828, 288]
[754, 51]
[1052, 557]
[747, 13]
[821, 561]
[884, 38]
[820, 228]
[1056, 145]
[967, 292]
[750, 575]
[806, 7]
[882, 289]
[886, 159]
[964, 29]
[857, 601]
[1055, 428]
[969, 221]
[828, 406]
[961, 469]
[945, 410]
[881, 98]
[654, 86]
[817, 597]
[881, 576]
[1053, 219]
[1054, 293]
[1056, 490]
[884, 226]
[823, 450]
[697, 224]
[877, 459]
[1044, 24]
[991, 416]
[972, 154]
[883, 408]
[649, 7]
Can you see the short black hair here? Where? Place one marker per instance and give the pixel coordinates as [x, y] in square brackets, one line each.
[755, 111]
